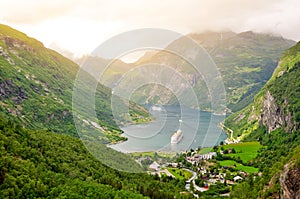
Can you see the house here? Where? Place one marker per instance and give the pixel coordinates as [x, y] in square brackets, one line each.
[208, 156]
[237, 178]
[174, 164]
[197, 157]
[154, 166]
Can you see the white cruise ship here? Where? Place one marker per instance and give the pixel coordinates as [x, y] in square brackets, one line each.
[156, 108]
[176, 137]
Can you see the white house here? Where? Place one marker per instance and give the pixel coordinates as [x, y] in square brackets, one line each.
[154, 166]
[236, 178]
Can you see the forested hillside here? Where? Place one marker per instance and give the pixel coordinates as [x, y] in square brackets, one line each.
[40, 153]
[40, 164]
[273, 119]
[36, 87]
[277, 104]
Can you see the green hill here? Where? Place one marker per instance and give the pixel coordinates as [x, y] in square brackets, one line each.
[277, 104]
[39, 164]
[273, 119]
[36, 86]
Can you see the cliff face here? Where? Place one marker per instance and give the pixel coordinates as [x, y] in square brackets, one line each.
[277, 105]
[290, 183]
[274, 116]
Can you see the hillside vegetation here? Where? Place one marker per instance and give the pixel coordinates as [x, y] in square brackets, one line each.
[36, 87]
[40, 164]
[277, 104]
[273, 119]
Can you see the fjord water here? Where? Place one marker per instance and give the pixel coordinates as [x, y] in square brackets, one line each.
[200, 129]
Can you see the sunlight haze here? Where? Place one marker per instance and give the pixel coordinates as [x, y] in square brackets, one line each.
[79, 26]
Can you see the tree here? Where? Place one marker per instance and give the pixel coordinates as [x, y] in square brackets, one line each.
[225, 151]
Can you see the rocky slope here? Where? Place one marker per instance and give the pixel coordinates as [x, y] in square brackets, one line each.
[289, 182]
[274, 119]
[273, 116]
[277, 104]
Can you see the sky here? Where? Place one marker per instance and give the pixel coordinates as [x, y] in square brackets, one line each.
[79, 26]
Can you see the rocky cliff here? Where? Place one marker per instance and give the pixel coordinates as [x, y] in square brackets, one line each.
[289, 182]
[274, 116]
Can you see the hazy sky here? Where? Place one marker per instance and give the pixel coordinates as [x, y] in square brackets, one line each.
[81, 25]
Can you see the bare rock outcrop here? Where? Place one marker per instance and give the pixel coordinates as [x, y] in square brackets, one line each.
[274, 116]
[290, 182]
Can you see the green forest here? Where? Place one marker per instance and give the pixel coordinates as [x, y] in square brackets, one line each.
[42, 164]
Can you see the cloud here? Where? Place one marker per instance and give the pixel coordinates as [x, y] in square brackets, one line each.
[32, 11]
[66, 21]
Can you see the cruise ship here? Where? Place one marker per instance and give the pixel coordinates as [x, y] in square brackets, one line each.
[176, 137]
[156, 108]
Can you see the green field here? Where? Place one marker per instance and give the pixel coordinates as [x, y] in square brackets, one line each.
[245, 150]
[205, 150]
[180, 173]
[240, 167]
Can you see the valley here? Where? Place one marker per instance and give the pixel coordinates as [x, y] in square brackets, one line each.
[245, 61]
[49, 149]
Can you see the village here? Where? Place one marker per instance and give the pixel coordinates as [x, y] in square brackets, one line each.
[203, 171]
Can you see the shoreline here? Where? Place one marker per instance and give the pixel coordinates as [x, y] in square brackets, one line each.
[230, 139]
[153, 118]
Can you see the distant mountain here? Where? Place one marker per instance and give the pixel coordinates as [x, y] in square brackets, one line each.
[36, 87]
[274, 120]
[245, 60]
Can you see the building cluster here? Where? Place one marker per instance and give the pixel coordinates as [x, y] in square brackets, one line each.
[197, 157]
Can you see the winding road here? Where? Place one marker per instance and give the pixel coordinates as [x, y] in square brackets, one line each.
[192, 179]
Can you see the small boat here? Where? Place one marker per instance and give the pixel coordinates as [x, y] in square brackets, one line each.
[177, 137]
[156, 108]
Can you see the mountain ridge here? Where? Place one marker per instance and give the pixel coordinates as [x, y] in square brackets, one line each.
[245, 60]
[36, 87]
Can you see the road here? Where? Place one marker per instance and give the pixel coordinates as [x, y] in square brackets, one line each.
[192, 179]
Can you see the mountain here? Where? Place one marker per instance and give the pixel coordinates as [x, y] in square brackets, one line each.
[245, 60]
[36, 86]
[277, 104]
[273, 119]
